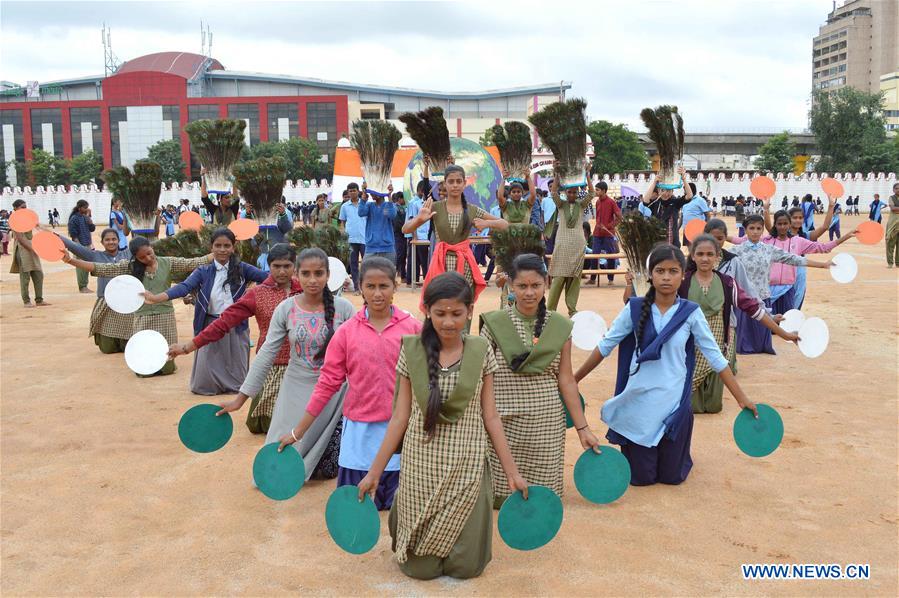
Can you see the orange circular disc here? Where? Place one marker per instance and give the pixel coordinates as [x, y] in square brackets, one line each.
[190, 221]
[869, 233]
[762, 187]
[23, 221]
[244, 228]
[48, 246]
[694, 228]
[832, 187]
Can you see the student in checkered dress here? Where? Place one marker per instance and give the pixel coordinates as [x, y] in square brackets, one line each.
[441, 521]
[156, 273]
[568, 251]
[110, 329]
[533, 356]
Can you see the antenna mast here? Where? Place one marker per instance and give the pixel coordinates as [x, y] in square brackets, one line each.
[110, 62]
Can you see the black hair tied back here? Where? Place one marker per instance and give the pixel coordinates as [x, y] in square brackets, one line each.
[529, 262]
[449, 285]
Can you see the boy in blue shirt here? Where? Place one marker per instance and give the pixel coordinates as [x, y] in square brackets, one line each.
[354, 225]
[379, 215]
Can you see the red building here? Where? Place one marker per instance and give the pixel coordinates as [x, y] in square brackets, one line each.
[150, 99]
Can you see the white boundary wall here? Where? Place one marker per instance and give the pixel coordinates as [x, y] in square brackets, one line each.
[40, 199]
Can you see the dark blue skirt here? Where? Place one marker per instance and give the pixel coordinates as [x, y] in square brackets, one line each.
[752, 337]
[390, 480]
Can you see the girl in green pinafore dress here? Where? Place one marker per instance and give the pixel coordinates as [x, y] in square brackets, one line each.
[441, 521]
[156, 274]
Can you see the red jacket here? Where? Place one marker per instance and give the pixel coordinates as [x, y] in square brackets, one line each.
[260, 301]
[607, 216]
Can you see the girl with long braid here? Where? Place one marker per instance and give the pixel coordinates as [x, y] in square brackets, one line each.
[309, 321]
[156, 274]
[363, 353]
[219, 367]
[533, 355]
[452, 220]
[444, 413]
[650, 416]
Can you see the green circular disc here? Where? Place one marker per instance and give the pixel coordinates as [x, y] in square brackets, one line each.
[201, 431]
[278, 475]
[602, 478]
[529, 524]
[758, 437]
[569, 423]
[353, 525]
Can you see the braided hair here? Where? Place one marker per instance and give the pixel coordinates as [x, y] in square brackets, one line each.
[235, 275]
[137, 268]
[449, 285]
[466, 222]
[529, 262]
[314, 253]
[660, 253]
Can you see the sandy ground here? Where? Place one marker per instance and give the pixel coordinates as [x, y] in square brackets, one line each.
[100, 498]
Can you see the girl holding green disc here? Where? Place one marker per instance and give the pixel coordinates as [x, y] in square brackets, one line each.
[650, 416]
[308, 321]
[441, 520]
[533, 356]
[363, 353]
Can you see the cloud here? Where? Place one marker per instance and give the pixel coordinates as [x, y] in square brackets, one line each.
[726, 64]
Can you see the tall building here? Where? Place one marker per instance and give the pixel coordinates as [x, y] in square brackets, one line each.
[150, 98]
[858, 44]
[889, 86]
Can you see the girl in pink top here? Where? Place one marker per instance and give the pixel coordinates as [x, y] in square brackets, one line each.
[364, 352]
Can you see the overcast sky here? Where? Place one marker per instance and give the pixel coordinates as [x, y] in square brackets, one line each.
[726, 64]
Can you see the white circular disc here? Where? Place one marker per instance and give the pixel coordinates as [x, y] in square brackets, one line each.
[588, 330]
[844, 269]
[814, 337]
[123, 294]
[146, 352]
[793, 320]
[337, 274]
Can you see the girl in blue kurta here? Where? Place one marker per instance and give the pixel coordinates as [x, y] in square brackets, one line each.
[650, 416]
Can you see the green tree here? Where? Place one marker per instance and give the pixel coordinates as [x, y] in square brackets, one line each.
[849, 127]
[46, 169]
[86, 168]
[776, 155]
[303, 158]
[616, 148]
[168, 155]
[487, 138]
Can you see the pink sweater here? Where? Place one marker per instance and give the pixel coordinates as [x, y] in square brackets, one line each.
[359, 354]
[785, 274]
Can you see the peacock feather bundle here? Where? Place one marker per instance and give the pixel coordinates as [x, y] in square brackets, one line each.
[514, 241]
[637, 235]
[563, 128]
[514, 144]
[261, 183]
[327, 238]
[666, 130]
[190, 244]
[217, 145]
[428, 129]
[377, 142]
[139, 192]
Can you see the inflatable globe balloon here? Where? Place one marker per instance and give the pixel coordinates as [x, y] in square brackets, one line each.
[481, 171]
